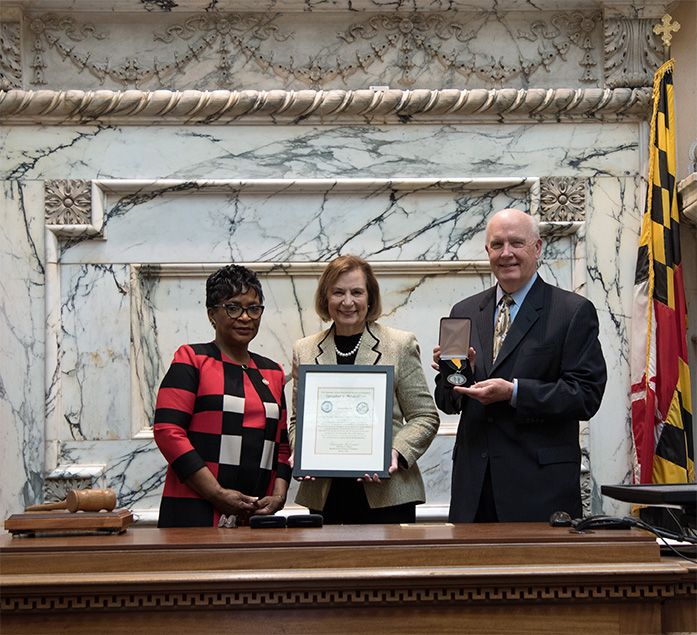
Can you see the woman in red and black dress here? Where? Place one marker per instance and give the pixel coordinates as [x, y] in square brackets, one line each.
[220, 418]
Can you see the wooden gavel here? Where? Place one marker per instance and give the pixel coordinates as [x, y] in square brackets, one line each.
[86, 500]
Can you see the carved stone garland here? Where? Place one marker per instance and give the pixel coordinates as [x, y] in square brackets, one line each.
[422, 35]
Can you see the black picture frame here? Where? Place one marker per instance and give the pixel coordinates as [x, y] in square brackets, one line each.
[323, 447]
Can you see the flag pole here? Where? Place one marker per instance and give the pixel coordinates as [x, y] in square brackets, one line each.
[666, 29]
[661, 403]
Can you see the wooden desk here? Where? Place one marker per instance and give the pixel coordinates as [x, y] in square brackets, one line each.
[517, 578]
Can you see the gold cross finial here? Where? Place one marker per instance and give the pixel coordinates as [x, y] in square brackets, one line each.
[666, 29]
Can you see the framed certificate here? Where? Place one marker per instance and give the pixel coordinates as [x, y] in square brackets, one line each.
[343, 421]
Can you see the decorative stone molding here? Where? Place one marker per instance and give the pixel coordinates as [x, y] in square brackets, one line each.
[216, 34]
[428, 33]
[232, 49]
[45, 30]
[217, 47]
[10, 55]
[189, 107]
[692, 156]
[68, 202]
[632, 52]
[687, 193]
[223, 32]
[162, 7]
[67, 477]
[562, 199]
[71, 208]
[563, 31]
[56, 489]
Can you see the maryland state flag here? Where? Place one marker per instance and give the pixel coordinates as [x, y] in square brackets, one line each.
[661, 408]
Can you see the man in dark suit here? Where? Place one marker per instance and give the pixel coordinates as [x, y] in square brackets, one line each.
[517, 456]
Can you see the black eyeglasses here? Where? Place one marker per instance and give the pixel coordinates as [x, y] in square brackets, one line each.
[235, 311]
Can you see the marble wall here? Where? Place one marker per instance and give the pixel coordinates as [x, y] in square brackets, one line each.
[143, 150]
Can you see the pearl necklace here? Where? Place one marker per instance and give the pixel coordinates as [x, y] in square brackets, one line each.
[352, 351]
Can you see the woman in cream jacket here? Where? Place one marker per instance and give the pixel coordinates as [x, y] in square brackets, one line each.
[348, 294]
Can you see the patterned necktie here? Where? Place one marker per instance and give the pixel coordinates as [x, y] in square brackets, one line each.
[503, 323]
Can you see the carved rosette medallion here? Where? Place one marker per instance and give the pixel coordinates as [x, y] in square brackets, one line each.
[68, 202]
[562, 199]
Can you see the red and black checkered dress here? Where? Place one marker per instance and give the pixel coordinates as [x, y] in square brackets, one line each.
[213, 412]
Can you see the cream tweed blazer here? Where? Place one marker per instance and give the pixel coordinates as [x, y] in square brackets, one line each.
[415, 419]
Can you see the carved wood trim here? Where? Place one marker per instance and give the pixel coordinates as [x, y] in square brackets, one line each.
[342, 596]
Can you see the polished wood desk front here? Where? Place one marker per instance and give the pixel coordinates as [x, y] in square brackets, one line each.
[381, 578]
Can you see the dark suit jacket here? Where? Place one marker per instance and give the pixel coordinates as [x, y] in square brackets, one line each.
[533, 450]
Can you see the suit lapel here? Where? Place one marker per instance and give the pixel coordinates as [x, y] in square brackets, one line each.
[368, 353]
[528, 314]
[326, 355]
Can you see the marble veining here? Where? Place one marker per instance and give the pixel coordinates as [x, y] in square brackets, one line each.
[22, 350]
[138, 156]
[216, 152]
